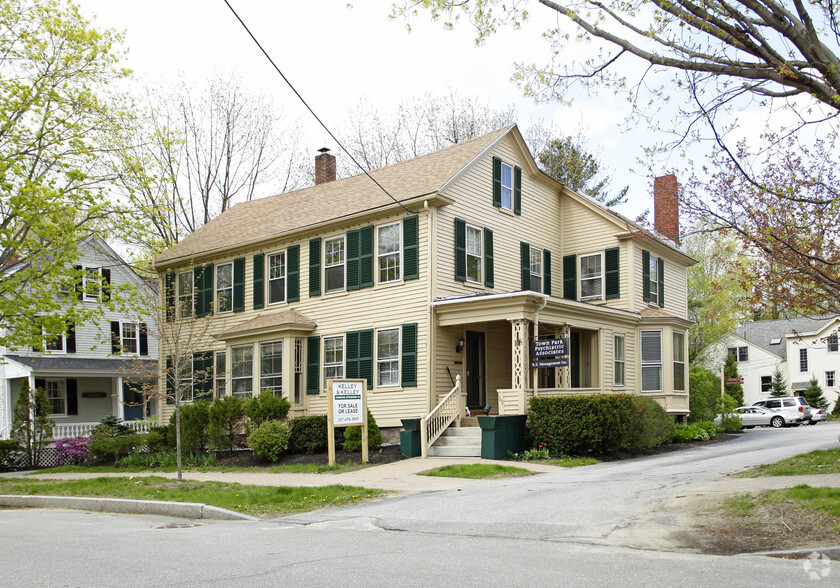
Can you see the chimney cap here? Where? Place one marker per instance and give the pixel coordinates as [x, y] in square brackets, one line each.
[324, 150]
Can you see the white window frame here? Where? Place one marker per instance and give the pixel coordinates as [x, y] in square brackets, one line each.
[619, 360]
[333, 368]
[651, 364]
[830, 378]
[242, 370]
[342, 263]
[92, 286]
[275, 377]
[473, 254]
[284, 271]
[653, 282]
[187, 380]
[507, 188]
[832, 345]
[803, 360]
[61, 344]
[61, 396]
[389, 260]
[220, 374]
[741, 354]
[596, 279]
[679, 359]
[298, 391]
[765, 388]
[185, 310]
[389, 364]
[123, 338]
[221, 290]
[535, 262]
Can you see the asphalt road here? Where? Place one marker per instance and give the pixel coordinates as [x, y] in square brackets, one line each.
[570, 528]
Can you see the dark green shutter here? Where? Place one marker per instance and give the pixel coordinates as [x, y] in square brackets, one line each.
[409, 355]
[661, 266]
[612, 275]
[351, 355]
[517, 190]
[411, 248]
[570, 277]
[359, 356]
[70, 340]
[169, 289]
[293, 273]
[460, 250]
[489, 275]
[144, 338]
[202, 375]
[80, 284]
[239, 284]
[547, 272]
[315, 267]
[366, 257]
[116, 338]
[645, 275]
[106, 284]
[313, 363]
[169, 377]
[203, 285]
[353, 259]
[259, 280]
[72, 396]
[497, 182]
[525, 265]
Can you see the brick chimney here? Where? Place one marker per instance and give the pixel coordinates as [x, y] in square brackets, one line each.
[324, 166]
[666, 207]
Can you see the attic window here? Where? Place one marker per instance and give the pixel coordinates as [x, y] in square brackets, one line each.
[775, 341]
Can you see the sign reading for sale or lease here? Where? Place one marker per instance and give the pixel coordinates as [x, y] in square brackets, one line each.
[347, 407]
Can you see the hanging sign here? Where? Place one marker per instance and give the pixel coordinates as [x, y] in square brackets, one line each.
[549, 353]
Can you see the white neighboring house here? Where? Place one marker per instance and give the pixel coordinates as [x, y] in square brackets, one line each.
[86, 372]
[803, 348]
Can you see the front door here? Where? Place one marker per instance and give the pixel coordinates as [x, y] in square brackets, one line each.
[475, 369]
[132, 404]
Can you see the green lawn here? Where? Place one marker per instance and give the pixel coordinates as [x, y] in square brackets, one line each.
[823, 461]
[477, 471]
[261, 501]
[298, 468]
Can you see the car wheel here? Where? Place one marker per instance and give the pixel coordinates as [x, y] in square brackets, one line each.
[812, 422]
[777, 422]
[749, 427]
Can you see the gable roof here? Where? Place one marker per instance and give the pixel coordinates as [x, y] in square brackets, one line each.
[761, 333]
[271, 217]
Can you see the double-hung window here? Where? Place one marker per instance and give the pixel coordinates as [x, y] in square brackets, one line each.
[271, 367]
[221, 369]
[224, 287]
[334, 264]
[740, 354]
[55, 344]
[92, 283]
[536, 269]
[185, 378]
[57, 395]
[803, 360]
[333, 358]
[679, 362]
[128, 338]
[653, 283]
[388, 357]
[830, 380]
[766, 384]
[507, 187]
[651, 361]
[277, 277]
[618, 360]
[186, 294]
[832, 344]
[474, 254]
[388, 252]
[242, 370]
[591, 277]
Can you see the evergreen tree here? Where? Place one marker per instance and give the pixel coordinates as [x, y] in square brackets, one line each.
[814, 395]
[730, 370]
[778, 387]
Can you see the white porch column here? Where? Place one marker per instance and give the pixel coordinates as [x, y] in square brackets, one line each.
[119, 405]
[519, 332]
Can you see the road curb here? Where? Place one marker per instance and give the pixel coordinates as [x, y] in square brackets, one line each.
[833, 553]
[186, 510]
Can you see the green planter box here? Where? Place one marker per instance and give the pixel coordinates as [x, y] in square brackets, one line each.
[502, 434]
[410, 438]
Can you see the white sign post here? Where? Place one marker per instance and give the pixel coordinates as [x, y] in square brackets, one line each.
[347, 407]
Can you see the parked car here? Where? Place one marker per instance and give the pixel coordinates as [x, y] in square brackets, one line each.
[795, 408]
[818, 414]
[758, 416]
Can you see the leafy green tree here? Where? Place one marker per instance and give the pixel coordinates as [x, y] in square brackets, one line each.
[730, 370]
[730, 421]
[778, 385]
[30, 424]
[814, 394]
[55, 127]
[704, 392]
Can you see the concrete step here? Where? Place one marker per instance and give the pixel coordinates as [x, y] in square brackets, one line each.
[454, 451]
[464, 432]
[457, 442]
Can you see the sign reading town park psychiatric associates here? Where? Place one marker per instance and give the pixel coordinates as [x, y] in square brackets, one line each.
[348, 402]
[549, 353]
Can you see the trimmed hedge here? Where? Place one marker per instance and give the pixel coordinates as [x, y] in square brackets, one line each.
[270, 440]
[308, 434]
[353, 436]
[599, 423]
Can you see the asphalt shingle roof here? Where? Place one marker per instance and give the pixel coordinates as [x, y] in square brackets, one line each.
[82, 364]
[760, 333]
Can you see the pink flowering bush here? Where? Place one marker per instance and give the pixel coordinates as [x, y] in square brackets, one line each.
[73, 451]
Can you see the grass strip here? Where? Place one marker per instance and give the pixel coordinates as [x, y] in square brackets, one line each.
[822, 461]
[297, 468]
[260, 501]
[477, 471]
[570, 462]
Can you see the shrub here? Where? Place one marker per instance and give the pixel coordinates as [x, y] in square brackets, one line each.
[650, 426]
[353, 436]
[194, 421]
[72, 451]
[158, 438]
[690, 432]
[8, 450]
[225, 421]
[270, 440]
[709, 427]
[308, 434]
[165, 459]
[704, 390]
[729, 420]
[117, 447]
[267, 407]
[110, 426]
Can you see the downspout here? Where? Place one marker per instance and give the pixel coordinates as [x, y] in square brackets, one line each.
[431, 330]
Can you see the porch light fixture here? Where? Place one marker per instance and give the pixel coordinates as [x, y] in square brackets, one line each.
[460, 346]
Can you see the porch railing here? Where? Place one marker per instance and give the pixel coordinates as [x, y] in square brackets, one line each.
[435, 423]
[84, 429]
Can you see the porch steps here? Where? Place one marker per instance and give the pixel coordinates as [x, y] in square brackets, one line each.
[457, 442]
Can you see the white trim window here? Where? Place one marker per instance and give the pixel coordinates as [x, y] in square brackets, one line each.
[333, 358]
[507, 187]
[388, 252]
[298, 375]
[830, 379]
[591, 276]
[334, 264]
[741, 354]
[679, 362]
[186, 294]
[803, 360]
[55, 344]
[57, 395]
[271, 367]
[832, 343]
[651, 361]
[277, 277]
[474, 253]
[224, 287]
[220, 375]
[129, 338]
[185, 379]
[766, 384]
[92, 283]
[536, 264]
[653, 282]
[242, 370]
[618, 360]
[387, 358]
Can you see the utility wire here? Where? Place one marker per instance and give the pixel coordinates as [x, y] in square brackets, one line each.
[329, 132]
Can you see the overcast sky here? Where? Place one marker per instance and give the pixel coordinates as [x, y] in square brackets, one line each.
[336, 56]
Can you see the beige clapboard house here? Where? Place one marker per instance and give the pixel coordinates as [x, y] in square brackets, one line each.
[439, 290]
